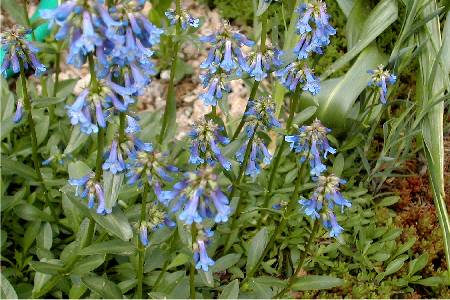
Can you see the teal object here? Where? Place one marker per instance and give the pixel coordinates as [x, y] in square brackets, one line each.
[42, 31]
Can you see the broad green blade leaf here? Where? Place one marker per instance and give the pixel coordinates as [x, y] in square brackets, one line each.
[52, 267]
[7, 290]
[230, 291]
[256, 248]
[316, 282]
[12, 167]
[44, 102]
[102, 286]
[337, 95]
[88, 264]
[346, 6]
[76, 141]
[109, 247]
[432, 81]
[111, 185]
[380, 18]
[226, 262]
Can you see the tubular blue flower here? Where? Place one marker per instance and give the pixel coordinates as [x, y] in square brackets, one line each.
[114, 163]
[314, 29]
[258, 155]
[96, 103]
[215, 87]
[201, 258]
[295, 73]
[381, 78]
[198, 197]
[225, 53]
[19, 112]
[91, 190]
[184, 17]
[206, 135]
[324, 198]
[132, 125]
[259, 64]
[312, 144]
[17, 48]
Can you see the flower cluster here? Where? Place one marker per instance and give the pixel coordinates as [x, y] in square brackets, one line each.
[185, 19]
[311, 143]
[215, 85]
[381, 78]
[298, 72]
[92, 107]
[313, 28]
[199, 197]
[19, 51]
[259, 64]
[258, 154]
[91, 189]
[157, 218]
[206, 137]
[324, 198]
[261, 113]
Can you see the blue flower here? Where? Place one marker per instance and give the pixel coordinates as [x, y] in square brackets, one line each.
[258, 155]
[381, 78]
[259, 64]
[295, 73]
[206, 135]
[155, 218]
[312, 144]
[91, 190]
[314, 29]
[132, 125]
[184, 17]
[215, 87]
[225, 52]
[17, 49]
[115, 163]
[19, 112]
[325, 197]
[198, 197]
[201, 258]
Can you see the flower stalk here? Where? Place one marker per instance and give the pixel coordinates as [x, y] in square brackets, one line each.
[171, 101]
[141, 247]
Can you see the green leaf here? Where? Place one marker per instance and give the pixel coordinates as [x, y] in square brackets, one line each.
[256, 248]
[7, 290]
[44, 102]
[338, 165]
[380, 18]
[76, 141]
[42, 125]
[395, 265]
[109, 247]
[29, 212]
[337, 95]
[388, 201]
[230, 291]
[88, 264]
[78, 169]
[102, 286]
[45, 236]
[12, 167]
[430, 281]
[304, 115]
[51, 267]
[417, 264]
[30, 235]
[226, 262]
[316, 282]
[263, 5]
[179, 260]
[111, 185]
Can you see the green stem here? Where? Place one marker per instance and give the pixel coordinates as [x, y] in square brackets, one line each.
[100, 133]
[51, 108]
[242, 122]
[255, 85]
[236, 183]
[301, 260]
[122, 137]
[34, 144]
[277, 159]
[166, 263]
[171, 103]
[191, 266]
[290, 207]
[141, 248]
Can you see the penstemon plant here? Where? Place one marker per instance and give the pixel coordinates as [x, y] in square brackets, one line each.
[208, 215]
